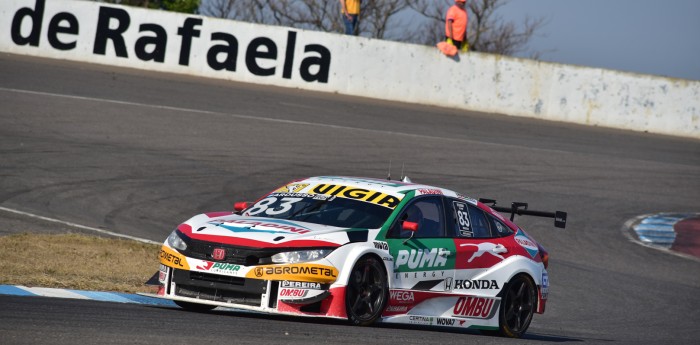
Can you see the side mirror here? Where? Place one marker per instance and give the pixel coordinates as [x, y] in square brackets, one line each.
[240, 206]
[409, 226]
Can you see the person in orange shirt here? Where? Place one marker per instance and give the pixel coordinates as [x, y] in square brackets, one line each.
[350, 10]
[456, 25]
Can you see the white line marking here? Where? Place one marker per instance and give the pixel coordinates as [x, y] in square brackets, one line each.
[106, 232]
[267, 119]
[51, 292]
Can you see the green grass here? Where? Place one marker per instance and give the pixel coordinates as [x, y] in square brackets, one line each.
[76, 261]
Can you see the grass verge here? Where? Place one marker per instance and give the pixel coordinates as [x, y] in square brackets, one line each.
[77, 261]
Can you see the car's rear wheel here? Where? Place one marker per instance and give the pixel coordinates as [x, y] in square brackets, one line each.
[367, 291]
[517, 307]
[200, 308]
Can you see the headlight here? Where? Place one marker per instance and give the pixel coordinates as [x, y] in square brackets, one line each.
[300, 256]
[176, 242]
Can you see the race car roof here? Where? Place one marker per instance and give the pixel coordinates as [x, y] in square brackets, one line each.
[391, 187]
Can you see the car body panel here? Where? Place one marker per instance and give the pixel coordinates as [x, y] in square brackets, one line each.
[451, 281]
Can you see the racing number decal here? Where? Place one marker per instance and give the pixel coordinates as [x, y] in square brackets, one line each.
[462, 217]
[264, 206]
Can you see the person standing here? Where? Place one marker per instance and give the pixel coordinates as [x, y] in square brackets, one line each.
[350, 10]
[456, 25]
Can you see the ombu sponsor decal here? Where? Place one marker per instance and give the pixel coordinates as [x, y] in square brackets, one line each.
[299, 272]
[475, 307]
[170, 258]
[299, 293]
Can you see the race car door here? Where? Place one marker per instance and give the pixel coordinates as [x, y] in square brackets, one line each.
[481, 242]
[423, 259]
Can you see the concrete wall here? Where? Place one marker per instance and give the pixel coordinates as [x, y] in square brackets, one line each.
[157, 40]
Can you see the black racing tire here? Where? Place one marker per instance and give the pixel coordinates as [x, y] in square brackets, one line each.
[518, 304]
[367, 292]
[196, 307]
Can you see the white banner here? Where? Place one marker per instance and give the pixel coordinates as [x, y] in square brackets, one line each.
[179, 43]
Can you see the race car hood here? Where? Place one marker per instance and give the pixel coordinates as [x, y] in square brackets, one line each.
[259, 232]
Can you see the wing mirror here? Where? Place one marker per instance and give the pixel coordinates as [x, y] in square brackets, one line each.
[409, 226]
[240, 206]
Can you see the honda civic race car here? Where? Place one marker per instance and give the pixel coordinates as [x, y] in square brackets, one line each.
[364, 250]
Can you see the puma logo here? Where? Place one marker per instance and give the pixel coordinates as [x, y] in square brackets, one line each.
[485, 247]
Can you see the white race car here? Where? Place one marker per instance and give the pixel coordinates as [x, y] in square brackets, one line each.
[365, 250]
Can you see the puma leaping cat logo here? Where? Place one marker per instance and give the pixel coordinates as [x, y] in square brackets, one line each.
[482, 248]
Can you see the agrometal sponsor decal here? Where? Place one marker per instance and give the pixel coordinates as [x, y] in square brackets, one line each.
[115, 29]
[168, 257]
[299, 272]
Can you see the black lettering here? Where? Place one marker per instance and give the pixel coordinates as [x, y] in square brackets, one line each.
[230, 50]
[289, 55]
[37, 16]
[187, 31]
[388, 201]
[253, 53]
[104, 32]
[323, 188]
[323, 63]
[159, 43]
[338, 190]
[55, 28]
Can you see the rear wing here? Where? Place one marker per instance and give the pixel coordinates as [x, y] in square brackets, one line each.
[520, 208]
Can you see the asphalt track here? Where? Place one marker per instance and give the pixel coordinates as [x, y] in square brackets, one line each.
[137, 152]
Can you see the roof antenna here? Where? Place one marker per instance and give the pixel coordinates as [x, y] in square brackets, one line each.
[404, 178]
[388, 177]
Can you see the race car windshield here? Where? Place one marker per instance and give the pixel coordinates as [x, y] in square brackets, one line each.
[321, 209]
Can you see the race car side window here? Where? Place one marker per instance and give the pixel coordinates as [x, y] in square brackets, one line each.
[428, 212]
[499, 228]
[469, 221]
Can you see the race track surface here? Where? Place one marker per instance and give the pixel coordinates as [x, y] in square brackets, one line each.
[137, 153]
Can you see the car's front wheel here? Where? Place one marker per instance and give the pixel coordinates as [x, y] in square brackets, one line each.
[367, 292]
[518, 306]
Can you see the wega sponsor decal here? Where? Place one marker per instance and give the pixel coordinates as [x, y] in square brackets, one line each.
[168, 257]
[525, 242]
[401, 297]
[475, 307]
[150, 37]
[298, 272]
